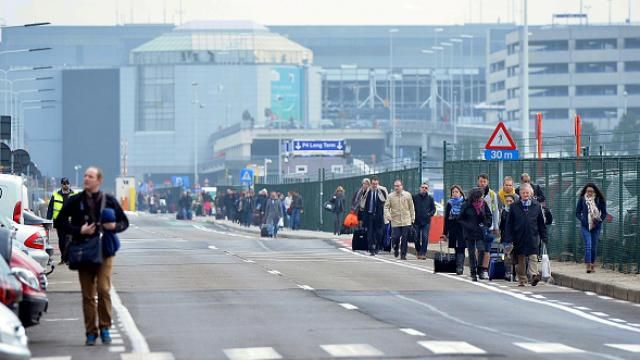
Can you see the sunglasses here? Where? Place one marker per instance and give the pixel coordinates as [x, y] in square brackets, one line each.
[65, 183]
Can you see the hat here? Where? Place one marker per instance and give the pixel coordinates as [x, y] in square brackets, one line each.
[64, 180]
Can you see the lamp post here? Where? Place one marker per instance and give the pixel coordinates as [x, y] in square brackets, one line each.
[196, 108]
[626, 101]
[5, 74]
[77, 168]
[524, 91]
[434, 109]
[472, 96]
[392, 96]
[266, 162]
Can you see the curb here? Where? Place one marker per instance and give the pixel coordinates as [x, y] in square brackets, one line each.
[254, 231]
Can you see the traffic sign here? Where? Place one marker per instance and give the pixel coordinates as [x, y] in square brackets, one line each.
[246, 176]
[500, 139]
[501, 154]
[318, 147]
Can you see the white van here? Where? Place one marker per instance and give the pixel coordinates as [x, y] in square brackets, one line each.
[13, 197]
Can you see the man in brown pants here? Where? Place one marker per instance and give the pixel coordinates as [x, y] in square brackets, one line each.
[81, 217]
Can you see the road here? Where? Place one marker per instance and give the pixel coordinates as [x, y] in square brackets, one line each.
[191, 290]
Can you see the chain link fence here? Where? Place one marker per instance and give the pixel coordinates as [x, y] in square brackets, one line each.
[561, 180]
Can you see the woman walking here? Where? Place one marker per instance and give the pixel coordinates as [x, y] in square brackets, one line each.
[475, 217]
[339, 204]
[591, 210]
[452, 227]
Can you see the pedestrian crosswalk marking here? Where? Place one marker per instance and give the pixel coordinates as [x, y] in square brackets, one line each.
[601, 314]
[539, 296]
[548, 348]
[52, 358]
[255, 353]
[583, 308]
[351, 350]
[634, 348]
[618, 320]
[116, 349]
[451, 347]
[413, 332]
[349, 306]
[147, 356]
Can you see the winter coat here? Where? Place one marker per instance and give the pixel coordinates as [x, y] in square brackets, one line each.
[399, 209]
[297, 202]
[453, 229]
[491, 198]
[273, 211]
[582, 212]
[425, 209]
[525, 229]
[474, 224]
[365, 202]
[338, 202]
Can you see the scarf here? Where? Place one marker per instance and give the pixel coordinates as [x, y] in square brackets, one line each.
[456, 205]
[478, 205]
[594, 212]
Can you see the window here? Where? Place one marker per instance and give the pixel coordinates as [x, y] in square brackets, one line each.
[513, 93]
[596, 90]
[552, 45]
[632, 43]
[632, 66]
[498, 86]
[513, 48]
[596, 67]
[513, 115]
[301, 169]
[598, 113]
[632, 89]
[596, 44]
[553, 113]
[548, 91]
[497, 66]
[156, 101]
[337, 169]
[513, 70]
[543, 69]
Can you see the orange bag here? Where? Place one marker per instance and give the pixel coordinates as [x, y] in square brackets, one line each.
[351, 220]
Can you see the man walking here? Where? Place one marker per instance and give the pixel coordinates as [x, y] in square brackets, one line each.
[81, 217]
[273, 214]
[56, 203]
[372, 205]
[425, 208]
[491, 198]
[537, 190]
[525, 229]
[507, 190]
[297, 209]
[400, 212]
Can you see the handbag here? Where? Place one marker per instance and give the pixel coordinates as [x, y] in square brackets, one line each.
[545, 270]
[329, 206]
[87, 252]
[351, 220]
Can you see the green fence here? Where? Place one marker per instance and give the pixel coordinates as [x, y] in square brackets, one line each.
[562, 180]
[315, 193]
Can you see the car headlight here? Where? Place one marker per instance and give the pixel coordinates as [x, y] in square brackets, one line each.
[26, 277]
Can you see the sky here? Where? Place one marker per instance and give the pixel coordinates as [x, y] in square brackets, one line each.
[307, 12]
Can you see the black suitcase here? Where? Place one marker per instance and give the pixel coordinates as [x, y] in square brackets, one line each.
[386, 242]
[359, 240]
[264, 231]
[444, 262]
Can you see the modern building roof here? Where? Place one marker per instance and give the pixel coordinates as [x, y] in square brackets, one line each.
[221, 42]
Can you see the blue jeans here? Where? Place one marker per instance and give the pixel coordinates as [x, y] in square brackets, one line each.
[590, 244]
[422, 240]
[295, 219]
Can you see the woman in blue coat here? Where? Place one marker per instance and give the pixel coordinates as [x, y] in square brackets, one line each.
[591, 210]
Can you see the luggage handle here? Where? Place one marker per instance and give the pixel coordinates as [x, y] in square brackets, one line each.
[448, 249]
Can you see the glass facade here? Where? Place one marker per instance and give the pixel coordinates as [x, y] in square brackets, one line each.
[549, 45]
[596, 44]
[598, 113]
[632, 43]
[596, 67]
[156, 100]
[632, 66]
[596, 90]
[548, 91]
[544, 69]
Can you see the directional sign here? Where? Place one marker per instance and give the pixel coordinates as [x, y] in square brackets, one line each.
[501, 154]
[318, 147]
[500, 139]
[246, 176]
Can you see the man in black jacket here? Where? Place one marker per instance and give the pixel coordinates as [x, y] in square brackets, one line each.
[372, 204]
[80, 217]
[537, 190]
[425, 209]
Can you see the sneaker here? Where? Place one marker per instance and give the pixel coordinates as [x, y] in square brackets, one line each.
[474, 278]
[396, 253]
[403, 258]
[484, 275]
[91, 339]
[105, 336]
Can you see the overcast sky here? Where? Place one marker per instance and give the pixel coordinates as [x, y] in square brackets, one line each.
[276, 12]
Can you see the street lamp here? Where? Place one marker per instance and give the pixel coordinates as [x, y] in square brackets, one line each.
[266, 161]
[524, 90]
[626, 101]
[196, 107]
[392, 97]
[471, 100]
[77, 168]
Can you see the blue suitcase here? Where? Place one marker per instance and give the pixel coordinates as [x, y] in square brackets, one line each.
[497, 269]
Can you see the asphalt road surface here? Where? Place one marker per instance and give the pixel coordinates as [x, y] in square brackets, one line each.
[191, 290]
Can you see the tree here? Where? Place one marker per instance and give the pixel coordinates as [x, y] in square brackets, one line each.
[625, 134]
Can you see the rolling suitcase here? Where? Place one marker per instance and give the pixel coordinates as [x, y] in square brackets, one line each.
[359, 240]
[444, 262]
[497, 268]
[386, 240]
[264, 230]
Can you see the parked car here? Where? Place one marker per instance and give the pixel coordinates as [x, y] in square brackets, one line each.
[34, 285]
[34, 241]
[47, 225]
[10, 287]
[13, 338]
[13, 197]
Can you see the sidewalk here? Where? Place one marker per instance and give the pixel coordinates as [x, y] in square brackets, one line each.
[568, 274]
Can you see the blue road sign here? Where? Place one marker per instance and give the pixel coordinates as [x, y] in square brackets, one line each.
[246, 176]
[318, 147]
[501, 154]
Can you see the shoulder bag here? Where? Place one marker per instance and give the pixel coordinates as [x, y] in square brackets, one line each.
[87, 252]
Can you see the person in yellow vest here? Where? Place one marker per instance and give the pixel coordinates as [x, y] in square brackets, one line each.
[57, 201]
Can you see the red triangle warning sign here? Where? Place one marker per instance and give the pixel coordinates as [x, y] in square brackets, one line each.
[500, 139]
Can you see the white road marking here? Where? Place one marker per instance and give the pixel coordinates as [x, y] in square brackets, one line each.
[618, 320]
[451, 347]
[634, 348]
[583, 308]
[349, 306]
[573, 311]
[590, 293]
[601, 314]
[138, 342]
[256, 353]
[351, 350]
[527, 293]
[274, 272]
[52, 358]
[622, 301]
[548, 348]
[539, 296]
[56, 320]
[213, 247]
[634, 324]
[413, 332]
[60, 282]
[116, 349]
[565, 303]
[117, 342]
[149, 356]
[248, 261]
[306, 287]
[605, 297]
[116, 336]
